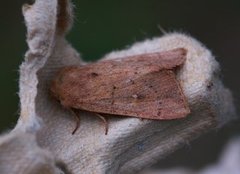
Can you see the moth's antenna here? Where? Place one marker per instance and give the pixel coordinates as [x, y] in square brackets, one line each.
[162, 29]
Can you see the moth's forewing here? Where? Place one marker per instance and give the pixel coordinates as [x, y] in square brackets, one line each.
[155, 95]
[140, 86]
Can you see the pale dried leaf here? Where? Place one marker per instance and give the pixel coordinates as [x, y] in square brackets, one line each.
[20, 154]
[228, 163]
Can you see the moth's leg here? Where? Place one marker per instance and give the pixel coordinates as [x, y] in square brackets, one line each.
[77, 117]
[105, 122]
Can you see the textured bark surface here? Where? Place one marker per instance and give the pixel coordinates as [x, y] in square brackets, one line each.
[131, 144]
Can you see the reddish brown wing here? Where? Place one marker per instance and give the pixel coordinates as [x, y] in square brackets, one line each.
[140, 86]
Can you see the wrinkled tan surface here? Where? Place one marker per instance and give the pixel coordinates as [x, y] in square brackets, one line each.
[131, 144]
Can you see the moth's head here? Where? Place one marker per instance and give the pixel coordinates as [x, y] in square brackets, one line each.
[55, 87]
[57, 84]
[62, 84]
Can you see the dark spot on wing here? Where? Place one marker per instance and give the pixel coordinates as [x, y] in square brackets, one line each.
[159, 112]
[93, 74]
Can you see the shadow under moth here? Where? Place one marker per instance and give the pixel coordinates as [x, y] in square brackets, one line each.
[143, 86]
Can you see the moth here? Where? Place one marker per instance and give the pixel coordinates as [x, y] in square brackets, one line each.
[143, 86]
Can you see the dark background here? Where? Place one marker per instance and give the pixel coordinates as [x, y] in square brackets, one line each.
[102, 26]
